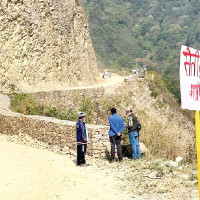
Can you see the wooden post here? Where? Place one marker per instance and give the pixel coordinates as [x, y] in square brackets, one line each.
[197, 126]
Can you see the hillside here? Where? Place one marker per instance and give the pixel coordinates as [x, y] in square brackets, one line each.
[44, 44]
[160, 115]
[126, 33]
[166, 131]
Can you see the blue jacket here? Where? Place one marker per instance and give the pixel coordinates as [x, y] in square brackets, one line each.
[116, 125]
[81, 131]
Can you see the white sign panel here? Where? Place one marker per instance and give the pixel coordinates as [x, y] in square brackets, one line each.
[190, 78]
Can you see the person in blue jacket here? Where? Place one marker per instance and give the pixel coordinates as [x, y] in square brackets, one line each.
[81, 134]
[116, 128]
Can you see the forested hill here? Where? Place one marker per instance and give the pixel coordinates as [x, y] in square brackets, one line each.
[151, 32]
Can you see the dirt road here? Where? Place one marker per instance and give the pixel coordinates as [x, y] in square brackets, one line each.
[27, 173]
[110, 82]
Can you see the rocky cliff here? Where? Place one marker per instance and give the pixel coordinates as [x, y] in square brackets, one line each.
[44, 42]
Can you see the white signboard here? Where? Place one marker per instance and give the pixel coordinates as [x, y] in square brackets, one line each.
[190, 78]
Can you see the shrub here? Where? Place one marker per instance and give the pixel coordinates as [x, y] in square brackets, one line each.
[161, 104]
[12, 88]
[52, 112]
[23, 103]
[193, 177]
[154, 166]
[154, 94]
[71, 115]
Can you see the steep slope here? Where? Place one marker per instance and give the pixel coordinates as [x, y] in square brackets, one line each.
[45, 42]
[166, 129]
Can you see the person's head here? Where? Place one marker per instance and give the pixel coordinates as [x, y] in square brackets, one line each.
[113, 110]
[81, 115]
[128, 111]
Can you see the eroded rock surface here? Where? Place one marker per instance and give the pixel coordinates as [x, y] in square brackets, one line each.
[45, 42]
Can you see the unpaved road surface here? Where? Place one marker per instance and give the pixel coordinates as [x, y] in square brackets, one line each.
[4, 103]
[27, 173]
[110, 82]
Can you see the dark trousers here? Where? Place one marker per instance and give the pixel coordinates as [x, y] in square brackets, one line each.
[116, 140]
[81, 150]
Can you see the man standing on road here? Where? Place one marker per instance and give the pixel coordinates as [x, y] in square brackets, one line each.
[133, 133]
[116, 128]
[81, 134]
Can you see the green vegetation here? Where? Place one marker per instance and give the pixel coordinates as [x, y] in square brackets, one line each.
[161, 84]
[22, 103]
[154, 166]
[161, 104]
[154, 93]
[193, 177]
[25, 104]
[126, 33]
[171, 169]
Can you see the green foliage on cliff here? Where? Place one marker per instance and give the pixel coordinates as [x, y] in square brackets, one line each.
[25, 104]
[151, 32]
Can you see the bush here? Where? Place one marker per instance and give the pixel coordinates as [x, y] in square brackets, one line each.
[154, 166]
[193, 177]
[23, 103]
[161, 104]
[154, 94]
[52, 112]
[71, 115]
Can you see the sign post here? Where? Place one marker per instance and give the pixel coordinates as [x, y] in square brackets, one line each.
[197, 126]
[190, 90]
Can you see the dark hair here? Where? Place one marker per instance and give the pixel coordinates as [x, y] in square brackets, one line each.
[113, 110]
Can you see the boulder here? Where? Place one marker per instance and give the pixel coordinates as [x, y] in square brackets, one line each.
[179, 159]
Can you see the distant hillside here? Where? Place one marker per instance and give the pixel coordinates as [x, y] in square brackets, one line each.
[151, 32]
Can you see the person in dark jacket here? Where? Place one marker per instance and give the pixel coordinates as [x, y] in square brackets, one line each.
[81, 134]
[116, 128]
[133, 133]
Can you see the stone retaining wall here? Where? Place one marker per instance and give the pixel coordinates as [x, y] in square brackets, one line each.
[55, 132]
[64, 99]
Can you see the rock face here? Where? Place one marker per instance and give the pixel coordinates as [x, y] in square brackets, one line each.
[45, 42]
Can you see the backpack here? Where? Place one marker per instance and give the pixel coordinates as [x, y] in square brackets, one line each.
[139, 126]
